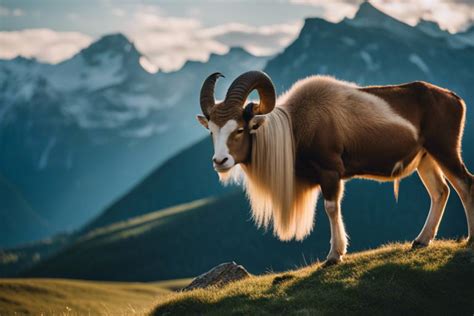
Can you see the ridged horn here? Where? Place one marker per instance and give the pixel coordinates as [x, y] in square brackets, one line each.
[245, 84]
[207, 93]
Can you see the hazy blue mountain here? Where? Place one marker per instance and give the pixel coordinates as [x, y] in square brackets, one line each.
[186, 177]
[76, 135]
[458, 40]
[19, 222]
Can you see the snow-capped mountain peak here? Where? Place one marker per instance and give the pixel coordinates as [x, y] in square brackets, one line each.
[105, 63]
[370, 16]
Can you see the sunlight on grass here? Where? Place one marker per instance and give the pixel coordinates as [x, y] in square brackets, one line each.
[139, 225]
[374, 281]
[73, 297]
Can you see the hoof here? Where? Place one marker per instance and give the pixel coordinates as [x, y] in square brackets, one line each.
[417, 245]
[470, 242]
[331, 262]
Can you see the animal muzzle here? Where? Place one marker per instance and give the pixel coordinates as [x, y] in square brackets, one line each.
[223, 162]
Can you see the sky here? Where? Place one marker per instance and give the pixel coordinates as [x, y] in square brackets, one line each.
[171, 32]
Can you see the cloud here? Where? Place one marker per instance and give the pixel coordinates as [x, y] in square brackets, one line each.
[451, 15]
[169, 42]
[333, 11]
[44, 44]
[4, 11]
[263, 40]
[118, 12]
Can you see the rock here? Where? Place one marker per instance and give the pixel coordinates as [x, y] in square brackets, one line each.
[219, 276]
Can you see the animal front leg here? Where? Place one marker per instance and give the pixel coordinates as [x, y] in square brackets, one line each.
[333, 192]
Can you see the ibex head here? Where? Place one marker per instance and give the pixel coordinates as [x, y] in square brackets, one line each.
[230, 122]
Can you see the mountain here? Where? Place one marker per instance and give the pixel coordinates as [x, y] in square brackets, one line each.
[20, 223]
[172, 183]
[370, 17]
[431, 28]
[76, 135]
[390, 280]
[19, 258]
[187, 239]
[458, 40]
[465, 38]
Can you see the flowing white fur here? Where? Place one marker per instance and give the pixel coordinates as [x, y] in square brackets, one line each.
[277, 197]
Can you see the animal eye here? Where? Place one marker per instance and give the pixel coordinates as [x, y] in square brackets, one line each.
[240, 130]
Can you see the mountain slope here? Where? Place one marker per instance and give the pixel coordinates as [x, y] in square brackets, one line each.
[20, 223]
[16, 259]
[389, 280]
[77, 135]
[184, 240]
[174, 182]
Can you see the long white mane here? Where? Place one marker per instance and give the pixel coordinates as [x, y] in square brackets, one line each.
[276, 196]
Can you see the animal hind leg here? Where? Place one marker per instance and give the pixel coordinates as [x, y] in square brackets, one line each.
[433, 179]
[462, 181]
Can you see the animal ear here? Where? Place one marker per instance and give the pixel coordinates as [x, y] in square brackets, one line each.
[256, 122]
[203, 120]
[249, 111]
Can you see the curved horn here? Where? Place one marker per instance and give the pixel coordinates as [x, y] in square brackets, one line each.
[207, 93]
[246, 83]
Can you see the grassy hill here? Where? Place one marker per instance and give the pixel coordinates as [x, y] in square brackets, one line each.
[73, 297]
[391, 280]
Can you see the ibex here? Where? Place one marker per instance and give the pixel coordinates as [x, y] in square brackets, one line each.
[323, 132]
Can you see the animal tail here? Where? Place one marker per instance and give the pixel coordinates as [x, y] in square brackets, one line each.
[396, 187]
[397, 170]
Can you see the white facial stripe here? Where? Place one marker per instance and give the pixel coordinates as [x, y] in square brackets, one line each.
[220, 136]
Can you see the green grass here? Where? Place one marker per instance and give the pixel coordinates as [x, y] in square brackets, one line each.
[389, 280]
[73, 297]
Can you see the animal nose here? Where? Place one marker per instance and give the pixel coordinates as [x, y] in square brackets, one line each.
[220, 162]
